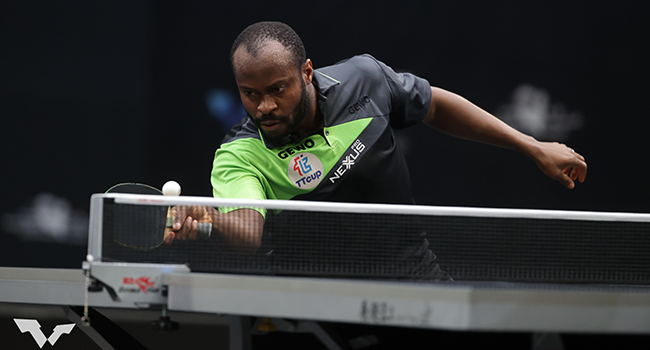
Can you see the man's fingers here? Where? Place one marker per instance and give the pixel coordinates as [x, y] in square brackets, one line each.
[566, 181]
[583, 171]
[583, 175]
[168, 239]
[562, 163]
[572, 173]
[189, 229]
[576, 170]
[194, 232]
[179, 214]
[185, 228]
[579, 170]
[185, 225]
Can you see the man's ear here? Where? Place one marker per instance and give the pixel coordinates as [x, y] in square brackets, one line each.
[308, 71]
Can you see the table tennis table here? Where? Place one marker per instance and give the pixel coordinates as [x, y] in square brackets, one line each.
[300, 303]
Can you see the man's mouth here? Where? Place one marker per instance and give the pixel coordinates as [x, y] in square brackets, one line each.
[270, 124]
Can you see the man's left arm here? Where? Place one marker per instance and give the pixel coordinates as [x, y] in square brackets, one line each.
[454, 115]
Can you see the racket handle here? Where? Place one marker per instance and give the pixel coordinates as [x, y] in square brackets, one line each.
[205, 230]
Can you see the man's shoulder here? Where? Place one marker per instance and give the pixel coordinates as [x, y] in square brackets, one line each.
[361, 74]
[361, 65]
[244, 130]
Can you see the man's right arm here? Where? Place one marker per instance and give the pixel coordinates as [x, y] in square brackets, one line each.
[233, 176]
[240, 230]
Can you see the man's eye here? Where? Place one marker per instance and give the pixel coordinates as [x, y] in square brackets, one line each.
[278, 89]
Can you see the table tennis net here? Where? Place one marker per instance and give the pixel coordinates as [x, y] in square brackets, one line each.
[356, 241]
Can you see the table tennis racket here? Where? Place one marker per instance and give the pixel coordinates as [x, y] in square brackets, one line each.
[144, 227]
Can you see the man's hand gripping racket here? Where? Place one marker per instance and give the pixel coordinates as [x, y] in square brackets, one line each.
[145, 227]
[182, 224]
[185, 222]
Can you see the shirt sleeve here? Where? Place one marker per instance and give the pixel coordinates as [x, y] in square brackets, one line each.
[233, 177]
[410, 97]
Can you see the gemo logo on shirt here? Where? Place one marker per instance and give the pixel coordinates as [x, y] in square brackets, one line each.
[305, 170]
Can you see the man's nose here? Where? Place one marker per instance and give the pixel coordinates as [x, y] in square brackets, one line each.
[267, 104]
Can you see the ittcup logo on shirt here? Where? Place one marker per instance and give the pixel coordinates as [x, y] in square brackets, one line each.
[305, 170]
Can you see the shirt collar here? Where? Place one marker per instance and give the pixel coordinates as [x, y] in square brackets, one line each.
[285, 140]
[324, 82]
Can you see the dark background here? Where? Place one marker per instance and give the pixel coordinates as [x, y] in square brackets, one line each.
[97, 93]
[94, 93]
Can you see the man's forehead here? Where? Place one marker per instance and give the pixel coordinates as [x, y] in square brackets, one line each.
[270, 52]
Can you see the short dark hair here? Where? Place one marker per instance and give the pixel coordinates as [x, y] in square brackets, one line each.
[255, 36]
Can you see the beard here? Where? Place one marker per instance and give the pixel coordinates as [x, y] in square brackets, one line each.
[298, 114]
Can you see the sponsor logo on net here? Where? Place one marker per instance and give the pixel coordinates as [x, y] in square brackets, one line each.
[34, 328]
[305, 170]
[142, 284]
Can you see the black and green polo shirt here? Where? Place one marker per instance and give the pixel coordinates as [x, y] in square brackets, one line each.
[355, 158]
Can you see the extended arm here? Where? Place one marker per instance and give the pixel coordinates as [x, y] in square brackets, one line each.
[240, 229]
[457, 116]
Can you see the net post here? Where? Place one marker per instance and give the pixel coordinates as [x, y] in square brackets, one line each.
[95, 226]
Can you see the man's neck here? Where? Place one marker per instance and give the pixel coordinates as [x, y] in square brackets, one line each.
[314, 122]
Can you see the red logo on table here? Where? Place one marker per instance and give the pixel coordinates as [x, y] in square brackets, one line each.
[144, 284]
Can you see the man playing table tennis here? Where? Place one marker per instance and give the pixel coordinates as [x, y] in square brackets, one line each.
[327, 134]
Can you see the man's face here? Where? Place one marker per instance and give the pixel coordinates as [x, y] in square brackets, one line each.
[272, 90]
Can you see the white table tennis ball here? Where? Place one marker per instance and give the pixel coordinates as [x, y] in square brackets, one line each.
[171, 188]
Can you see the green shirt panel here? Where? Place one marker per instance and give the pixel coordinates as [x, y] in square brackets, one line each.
[246, 169]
